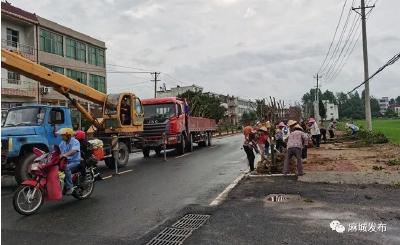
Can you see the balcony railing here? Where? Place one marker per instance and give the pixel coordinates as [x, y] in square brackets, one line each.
[25, 50]
[17, 87]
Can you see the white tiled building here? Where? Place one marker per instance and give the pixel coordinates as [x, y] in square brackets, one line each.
[332, 110]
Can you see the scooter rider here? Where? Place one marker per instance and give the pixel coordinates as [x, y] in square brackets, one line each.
[70, 149]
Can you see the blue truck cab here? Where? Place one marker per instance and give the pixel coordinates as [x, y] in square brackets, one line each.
[26, 127]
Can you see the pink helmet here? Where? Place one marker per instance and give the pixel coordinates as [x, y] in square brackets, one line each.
[80, 135]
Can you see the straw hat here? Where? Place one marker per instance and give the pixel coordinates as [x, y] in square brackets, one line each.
[267, 124]
[265, 129]
[292, 122]
[298, 127]
[281, 124]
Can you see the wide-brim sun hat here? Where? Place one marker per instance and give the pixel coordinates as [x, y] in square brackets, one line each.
[298, 127]
[291, 123]
[263, 128]
[281, 124]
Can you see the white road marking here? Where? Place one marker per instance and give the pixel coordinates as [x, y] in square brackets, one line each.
[107, 177]
[222, 196]
[183, 155]
[126, 171]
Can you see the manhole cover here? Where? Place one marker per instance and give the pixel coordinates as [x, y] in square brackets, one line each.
[170, 236]
[191, 221]
[282, 197]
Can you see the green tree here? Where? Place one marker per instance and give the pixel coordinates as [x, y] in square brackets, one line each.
[390, 113]
[375, 107]
[398, 100]
[204, 105]
[330, 96]
[392, 101]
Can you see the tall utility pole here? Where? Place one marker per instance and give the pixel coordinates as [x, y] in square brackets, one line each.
[155, 74]
[316, 100]
[367, 98]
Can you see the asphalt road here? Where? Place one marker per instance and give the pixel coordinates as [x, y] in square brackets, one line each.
[123, 209]
[247, 217]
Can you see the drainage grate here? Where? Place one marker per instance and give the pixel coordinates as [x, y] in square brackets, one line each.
[191, 221]
[282, 197]
[181, 230]
[170, 236]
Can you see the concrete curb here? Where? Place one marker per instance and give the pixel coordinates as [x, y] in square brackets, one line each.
[224, 194]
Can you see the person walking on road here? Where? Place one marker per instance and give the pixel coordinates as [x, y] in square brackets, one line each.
[315, 132]
[296, 141]
[249, 146]
[262, 141]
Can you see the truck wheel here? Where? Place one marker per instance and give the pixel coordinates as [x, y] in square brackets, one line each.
[180, 148]
[146, 152]
[189, 146]
[123, 157]
[23, 168]
[209, 139]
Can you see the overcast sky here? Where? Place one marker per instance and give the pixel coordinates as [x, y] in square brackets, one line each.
[248, 48]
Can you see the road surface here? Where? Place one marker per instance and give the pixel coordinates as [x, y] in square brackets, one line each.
[123, 209]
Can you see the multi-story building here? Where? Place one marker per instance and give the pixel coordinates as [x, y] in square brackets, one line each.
[236, 107]
[18, 31]
[57, 47]
[332, 110]
[383, 105]
[173, 92]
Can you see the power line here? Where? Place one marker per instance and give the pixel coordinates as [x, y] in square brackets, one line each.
[390, 62]
[349, 50]
[130, 67]
[338, 43]
[346, 44]
[334, 36]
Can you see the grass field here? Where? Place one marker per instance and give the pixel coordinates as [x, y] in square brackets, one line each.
[389, 127]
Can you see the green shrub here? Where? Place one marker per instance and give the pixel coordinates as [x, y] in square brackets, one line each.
[371, 137]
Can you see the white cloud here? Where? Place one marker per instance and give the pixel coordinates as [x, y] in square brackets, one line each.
[142, 11]
[211, 44]
[249, 13]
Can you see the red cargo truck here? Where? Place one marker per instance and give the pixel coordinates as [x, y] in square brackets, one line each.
[166, 120]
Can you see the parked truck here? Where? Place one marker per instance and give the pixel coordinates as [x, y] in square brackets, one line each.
[35, 126]
[167, 122]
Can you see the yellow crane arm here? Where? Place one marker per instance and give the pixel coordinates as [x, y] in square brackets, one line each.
[63, 84]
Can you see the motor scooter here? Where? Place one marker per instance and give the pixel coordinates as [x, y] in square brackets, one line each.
[47, 182]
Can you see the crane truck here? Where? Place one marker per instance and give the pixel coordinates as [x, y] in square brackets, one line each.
[32, 126]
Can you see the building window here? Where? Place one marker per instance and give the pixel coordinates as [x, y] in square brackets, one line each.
[76, 50]
[54, 68]
[77, 75]
[51, 42]
[13, 78]
[96, 56]
[12, 37]
[98, 83]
